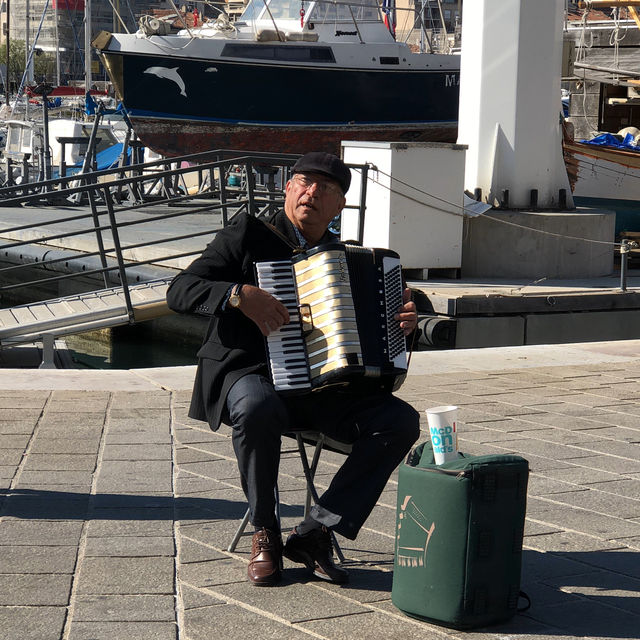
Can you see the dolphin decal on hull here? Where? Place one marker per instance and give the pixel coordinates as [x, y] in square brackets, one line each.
[169, 74]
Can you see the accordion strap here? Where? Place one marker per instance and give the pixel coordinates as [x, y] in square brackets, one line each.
[296, 248]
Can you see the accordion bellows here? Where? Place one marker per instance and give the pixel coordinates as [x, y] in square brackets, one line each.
[341, 300]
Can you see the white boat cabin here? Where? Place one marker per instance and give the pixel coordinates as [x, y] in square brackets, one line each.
[27, 137]
[296, 20]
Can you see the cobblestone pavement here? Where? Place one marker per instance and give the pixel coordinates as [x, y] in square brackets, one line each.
[116, 509]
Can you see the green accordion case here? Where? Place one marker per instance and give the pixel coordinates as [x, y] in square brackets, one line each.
[459, 532]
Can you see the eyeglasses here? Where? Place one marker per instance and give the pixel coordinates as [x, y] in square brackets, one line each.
[322, 187]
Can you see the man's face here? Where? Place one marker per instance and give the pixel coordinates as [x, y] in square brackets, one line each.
[312, 201]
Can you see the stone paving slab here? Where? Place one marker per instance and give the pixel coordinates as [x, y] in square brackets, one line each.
[110, 629]
[126, 576]
[117, 608]
[35, 623]
[115, 522]
[129, 547]
[22, 589]
[37, 559]
[40, 532]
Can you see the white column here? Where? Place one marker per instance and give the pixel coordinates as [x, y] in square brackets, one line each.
[510, 100]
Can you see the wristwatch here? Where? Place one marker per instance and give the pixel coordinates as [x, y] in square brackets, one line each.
[234, 298]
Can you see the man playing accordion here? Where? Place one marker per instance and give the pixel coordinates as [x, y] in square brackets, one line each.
[233, 385]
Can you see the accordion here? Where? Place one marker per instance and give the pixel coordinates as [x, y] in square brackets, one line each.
[341, 301]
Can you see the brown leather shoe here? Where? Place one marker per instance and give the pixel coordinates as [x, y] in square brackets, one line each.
[265, 564]
[315, 550]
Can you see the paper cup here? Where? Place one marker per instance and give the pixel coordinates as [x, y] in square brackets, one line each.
[443, 430]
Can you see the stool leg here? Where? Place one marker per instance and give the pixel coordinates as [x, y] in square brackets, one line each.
[307, 470]
[337, 548]
[240, 531]
[309, 473]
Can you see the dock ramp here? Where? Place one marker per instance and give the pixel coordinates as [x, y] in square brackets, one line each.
[48, 319]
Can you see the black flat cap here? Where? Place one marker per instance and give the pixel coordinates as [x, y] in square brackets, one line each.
[327, 164]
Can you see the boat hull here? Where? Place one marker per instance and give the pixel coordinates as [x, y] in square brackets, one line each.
[174, 138]
[180, 105]
[605, 178]
[602, 172]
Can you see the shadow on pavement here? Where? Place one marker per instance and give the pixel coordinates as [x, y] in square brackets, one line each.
[590, 594]
[64, 505]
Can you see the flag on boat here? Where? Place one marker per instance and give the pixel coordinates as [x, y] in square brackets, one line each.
[389, 11]
[69, 5]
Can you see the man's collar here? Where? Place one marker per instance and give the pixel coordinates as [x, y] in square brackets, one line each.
[301, 239]
[295, 234]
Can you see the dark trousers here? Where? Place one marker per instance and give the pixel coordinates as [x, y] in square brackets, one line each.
[381, 428]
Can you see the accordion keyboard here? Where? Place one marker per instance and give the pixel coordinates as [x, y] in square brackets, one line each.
[341, 301]
[393, 300]
[287, 356]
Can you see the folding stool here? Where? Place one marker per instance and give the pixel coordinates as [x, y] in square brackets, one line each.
[321, 442]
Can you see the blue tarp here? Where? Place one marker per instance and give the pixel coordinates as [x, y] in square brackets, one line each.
[610, 140]
[108, 157]
[91, 106]
[105, 159]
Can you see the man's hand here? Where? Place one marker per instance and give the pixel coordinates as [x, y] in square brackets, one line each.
[261, 307]
[407, 315]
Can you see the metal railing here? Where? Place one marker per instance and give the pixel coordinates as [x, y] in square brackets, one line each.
[127, 201]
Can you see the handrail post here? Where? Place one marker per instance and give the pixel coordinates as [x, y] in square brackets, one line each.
[96, 224]
[123, 162]
[222, 184]
[25, 167]
[271, 189]
[63, 164]
[251, 184]
[118, 249]
[625, 248]
[8, 163]
[363, 202]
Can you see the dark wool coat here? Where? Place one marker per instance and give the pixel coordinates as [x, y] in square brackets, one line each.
[233, 346]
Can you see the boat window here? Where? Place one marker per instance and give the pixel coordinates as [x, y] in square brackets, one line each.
[107, 139]
[14, 139]
[322, 11]
[328, 11]
[278, 52]
[251, 11]
[27, 135]
[279, 9]
[284, 9]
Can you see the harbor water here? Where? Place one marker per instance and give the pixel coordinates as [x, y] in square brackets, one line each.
[128, 348]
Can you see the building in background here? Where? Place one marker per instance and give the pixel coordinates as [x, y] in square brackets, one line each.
[62, 31]
[440, 23]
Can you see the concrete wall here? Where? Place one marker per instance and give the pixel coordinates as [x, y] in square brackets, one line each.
[546, 328]
[560, 328]
[525, 244]
[504, 331]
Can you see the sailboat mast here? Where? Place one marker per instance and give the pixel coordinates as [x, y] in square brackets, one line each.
[6, 72]
[87, 45]
[27, 43]
[57, 36]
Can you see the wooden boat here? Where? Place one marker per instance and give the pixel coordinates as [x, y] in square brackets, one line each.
[285, 77]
